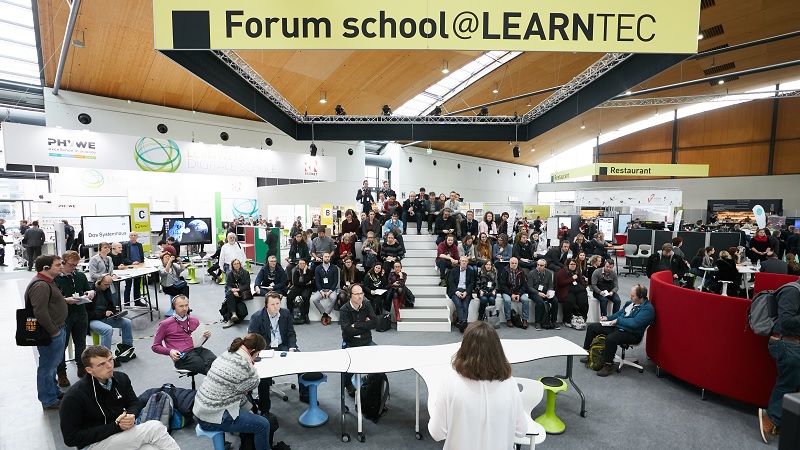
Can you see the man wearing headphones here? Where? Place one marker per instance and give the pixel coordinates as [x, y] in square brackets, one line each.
[99, 411]
[176, 335]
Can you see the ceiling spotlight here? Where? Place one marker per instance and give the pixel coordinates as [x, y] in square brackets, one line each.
[445, 68]
[529, 103]
[84, 118]
[583, 126]
[699, 36]
[78, 39]
[340, 111]
[313, 149]
[627, 92]
[496, 88]
[484, 111]
[721, 82]
[322, 97]
[516, 151]
[533, 149]
[437, 111]
[386, 110]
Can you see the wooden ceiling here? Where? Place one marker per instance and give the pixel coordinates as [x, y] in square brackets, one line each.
[119, 61]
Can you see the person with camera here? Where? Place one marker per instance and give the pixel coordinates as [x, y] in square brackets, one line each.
[172, 283]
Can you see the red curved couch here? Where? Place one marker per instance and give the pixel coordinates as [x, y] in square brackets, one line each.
[704, 339]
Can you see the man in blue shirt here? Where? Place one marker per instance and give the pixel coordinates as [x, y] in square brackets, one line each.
[626, 326]
[133, 251]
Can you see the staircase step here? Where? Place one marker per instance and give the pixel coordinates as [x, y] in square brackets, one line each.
[423, 280]
[419, 237]
[419, 262]
[425, 312]
[440, 325]
[429, 253]
[414, 271]
[432, 301]
[428, 291]
[420, 245]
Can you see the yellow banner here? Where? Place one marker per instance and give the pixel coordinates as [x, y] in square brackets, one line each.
[326, 213]
[633, 170]
[642, 26]
[533, 211]
[140, 223]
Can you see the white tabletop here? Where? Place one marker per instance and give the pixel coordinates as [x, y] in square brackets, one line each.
[137, 272]
[301, 362]
[395, 358]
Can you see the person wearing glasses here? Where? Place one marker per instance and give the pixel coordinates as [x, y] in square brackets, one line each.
[99, 411]
[73, 285]
[105, 315]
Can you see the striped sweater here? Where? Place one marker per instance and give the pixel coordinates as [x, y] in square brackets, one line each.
[230, 377]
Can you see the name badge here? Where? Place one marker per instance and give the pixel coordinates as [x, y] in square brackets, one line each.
[274, 343]
[346, 283]
[489, 284]
[541, 287]
[574, 283]
[297, 255]
[325, 280]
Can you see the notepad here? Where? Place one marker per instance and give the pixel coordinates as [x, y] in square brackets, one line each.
[606, 323]
[380, 291]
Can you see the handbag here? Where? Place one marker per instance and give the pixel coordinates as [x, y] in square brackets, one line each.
[29, 331]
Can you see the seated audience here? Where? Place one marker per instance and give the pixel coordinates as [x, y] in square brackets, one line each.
[220, 403]
[627, 326]
[502, 224]
[397, 288]
[727, 271]
[346, 247]
[483, 249]
[557, 257]
[391, 251]
[488, 225]
[370, 224]
[595, 262]
[395, 226]
[486, 287]
[514, 288]
[271, 278]
[467, 248]
[446, 257]
[454, 205]
[470, 225]
[169, 272]
[350, 224]
[320, 245]
[571, 293]
[539, 243]
[303, 284]
[523, 251]
[541, 289]
[237, 285]
[298, 250]
[326, 281]
[392, 206]
[174, 338]
[87, 424]
[460, 288]
[703, 258]
[605, 285]
[666, 259]
[599, 246]
[502, 252]
[445, 225]
[370, 250]
[349, 275]
[413, 212]
[101, 263]
[774, 265]
[374, 281]
[581, 244]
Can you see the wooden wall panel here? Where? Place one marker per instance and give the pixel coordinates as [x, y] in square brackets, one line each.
[788, 112]
[787, 158]
[655, 138]
[654, 157]
[745, 123]
[729, 161]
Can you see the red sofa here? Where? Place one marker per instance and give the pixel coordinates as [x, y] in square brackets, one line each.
[771, 281]
[704, 339]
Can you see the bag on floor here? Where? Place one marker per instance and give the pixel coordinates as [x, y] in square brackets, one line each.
[409, 298]
[384, 323]
[124, 353]
[492, 314]
[374, 395]
[159, 407]
[763, 313]
[182, 401]
[516, 320]
[241, 311]
[546, 324]
[596, 352]
[297, 314]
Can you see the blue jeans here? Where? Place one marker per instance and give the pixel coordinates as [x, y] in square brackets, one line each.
[49, 358]
[486, 299]
[614, 298]
[526, 306]
[105, 328]
[136, 284]
[462, 306]
[787, 357]
[247, 422]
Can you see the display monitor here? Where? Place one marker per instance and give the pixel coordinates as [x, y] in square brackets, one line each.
[622, 222]
[606, 226]
[157, 219]
[189, 230]
[97, 229]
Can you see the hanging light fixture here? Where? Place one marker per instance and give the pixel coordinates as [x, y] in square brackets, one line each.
[496, 88]
[322, 97]
[445, 67]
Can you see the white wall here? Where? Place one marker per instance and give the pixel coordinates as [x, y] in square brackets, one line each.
[697, 191]
[485, 185]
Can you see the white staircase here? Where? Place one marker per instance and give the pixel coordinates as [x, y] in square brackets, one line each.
[431, 311]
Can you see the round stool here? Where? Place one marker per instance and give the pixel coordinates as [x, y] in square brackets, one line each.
[217, 437]
[314, 416]
[551, 423]
[95, 338]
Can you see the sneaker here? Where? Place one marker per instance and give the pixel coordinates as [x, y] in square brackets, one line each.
[140, 304]
[234, 317]
[524, 324]
[765, 425]
[229, 324]
[52, 407]
[585, 360]
[443, 283]
[63, 381]
[606, 370]
[568, 325]
[510, 324]
[537, 327]
[557, 326]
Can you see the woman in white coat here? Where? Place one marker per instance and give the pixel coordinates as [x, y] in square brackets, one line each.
[479, 406]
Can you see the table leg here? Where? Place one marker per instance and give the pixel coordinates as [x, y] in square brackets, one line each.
[570, 364]
[703, 283]
[343, 407]
[417, 434]
[360, 436]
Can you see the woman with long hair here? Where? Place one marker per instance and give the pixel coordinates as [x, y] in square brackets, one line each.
[488, 225]
[349, 275]
[221, 402]
[483, 248]
[237, 285]
[376, 280]
[302, 287]
[397, 288]
[794, 267]
[571, 293]
[467, 248]
[501, 253]
[727, 271]
[479, 406]
[298, 250]
[486, 287]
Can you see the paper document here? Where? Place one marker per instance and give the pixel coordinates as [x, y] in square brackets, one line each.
[267, 353]
[606, 323]
[83, 300]
[380, 291]
[551, 293]
[197, 336]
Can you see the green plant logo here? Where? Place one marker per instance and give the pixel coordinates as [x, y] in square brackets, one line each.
[92, 179]
[157, 155]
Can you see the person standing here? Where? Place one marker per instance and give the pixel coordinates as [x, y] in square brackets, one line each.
[69, 235]
[134, 252]
[3, 243]
[50, 310]
[784, 346]
[479, 406]
[364, 196]
[33, 240]
[73, 284]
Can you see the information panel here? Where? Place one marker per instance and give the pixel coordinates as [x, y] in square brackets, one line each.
[97, 229]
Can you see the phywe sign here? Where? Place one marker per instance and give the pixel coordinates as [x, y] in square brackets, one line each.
[27, 144]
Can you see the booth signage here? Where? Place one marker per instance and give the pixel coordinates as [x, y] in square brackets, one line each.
[44, 146]
[576, 26]
[140, 222]
[633, 170]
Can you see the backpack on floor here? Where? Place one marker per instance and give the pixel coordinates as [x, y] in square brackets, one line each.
[297, 314]
[596, 352]
[124, 352]
[384, 323]
[492, 315]
[763, 313]
[516, 319]
[546, 324]
[159, 407]
[241, 311]
[374, 395]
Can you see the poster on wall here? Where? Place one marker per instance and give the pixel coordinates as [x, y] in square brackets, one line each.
[232, 208]
[628, 197]
[326, 213]
[46, 146]
[97, 229]
[533, 211]
[606, 226]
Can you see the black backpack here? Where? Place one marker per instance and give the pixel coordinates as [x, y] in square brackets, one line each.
[297, 314]
[516, 320]
[384, 323]
[241, 311]
[546, 324]
[374, 394]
